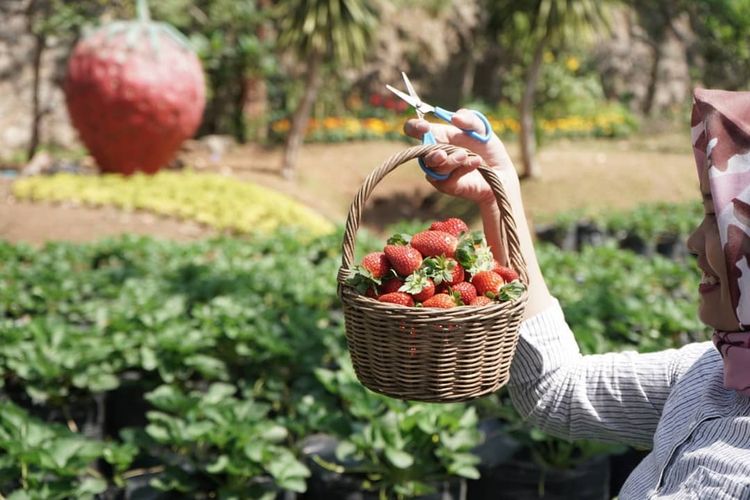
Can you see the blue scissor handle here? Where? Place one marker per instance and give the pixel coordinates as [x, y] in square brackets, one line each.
[428, 138]
[446, 115]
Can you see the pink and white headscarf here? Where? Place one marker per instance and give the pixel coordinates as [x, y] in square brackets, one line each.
[721, 144]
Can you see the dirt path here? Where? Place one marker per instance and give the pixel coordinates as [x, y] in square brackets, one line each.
[591, 175]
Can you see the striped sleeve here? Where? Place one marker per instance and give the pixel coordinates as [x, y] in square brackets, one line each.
[612, 397]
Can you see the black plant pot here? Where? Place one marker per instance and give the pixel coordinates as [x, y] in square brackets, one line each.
[525, 480]
[671, 246]
[635, 243]
[589, 234]
[561, 236]
[126, 406]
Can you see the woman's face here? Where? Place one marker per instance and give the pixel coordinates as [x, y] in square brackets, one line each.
[715, 308]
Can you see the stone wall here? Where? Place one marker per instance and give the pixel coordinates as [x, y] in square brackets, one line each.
[17, 47]
[629, 66]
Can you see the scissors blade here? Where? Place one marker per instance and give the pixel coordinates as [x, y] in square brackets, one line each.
[414, 94]
[419, 106]
[410, 87]
[413, 102]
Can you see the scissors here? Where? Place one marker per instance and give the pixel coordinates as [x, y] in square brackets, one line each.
[422, 107]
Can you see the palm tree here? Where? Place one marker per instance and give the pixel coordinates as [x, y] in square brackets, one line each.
[546, 22]
[317, 31]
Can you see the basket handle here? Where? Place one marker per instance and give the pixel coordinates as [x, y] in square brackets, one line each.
[507, 223]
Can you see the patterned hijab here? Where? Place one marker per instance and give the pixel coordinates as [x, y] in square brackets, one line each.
[721, 144]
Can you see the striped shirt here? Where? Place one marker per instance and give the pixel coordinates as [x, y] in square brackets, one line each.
[673, 402]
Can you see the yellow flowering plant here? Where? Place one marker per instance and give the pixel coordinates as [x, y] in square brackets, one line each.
[217, 201]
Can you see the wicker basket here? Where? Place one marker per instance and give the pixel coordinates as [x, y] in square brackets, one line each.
[427, 354]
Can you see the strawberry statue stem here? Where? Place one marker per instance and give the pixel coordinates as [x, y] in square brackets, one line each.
[142, 11]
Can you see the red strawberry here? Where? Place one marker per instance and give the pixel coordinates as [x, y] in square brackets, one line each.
[453, 225]
[458, 274]
[403, 258]
[441, 300]
[419, 286]
[134, 94]
[487, 282]
[398, 298]
[507, 273]
[481, 300]
[434, 243]
[391, 285]
[427, 292]
[377, 264]
[466, 291]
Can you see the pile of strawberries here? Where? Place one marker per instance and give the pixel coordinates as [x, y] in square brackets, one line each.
[444, 266]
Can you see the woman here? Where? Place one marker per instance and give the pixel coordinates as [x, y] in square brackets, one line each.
[690, 405]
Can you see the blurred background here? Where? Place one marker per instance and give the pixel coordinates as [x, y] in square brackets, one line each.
[170, 322]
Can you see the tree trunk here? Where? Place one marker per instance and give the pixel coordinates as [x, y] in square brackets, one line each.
[467, 80]
[301, 117]
[528, 136]
[35, 10]
[255, 91]
[653, 83]
[36, 111]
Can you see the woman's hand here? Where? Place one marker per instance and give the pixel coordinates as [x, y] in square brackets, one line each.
[464, 181]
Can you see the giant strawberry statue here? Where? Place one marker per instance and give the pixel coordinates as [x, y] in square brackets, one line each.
[135, 91]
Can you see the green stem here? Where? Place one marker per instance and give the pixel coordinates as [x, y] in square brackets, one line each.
[24, 475]
[142, 11]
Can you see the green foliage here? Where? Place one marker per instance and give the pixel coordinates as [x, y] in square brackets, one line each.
[652, 306]
[63, 18]
[214, 441]
[400, 449]
[722, 30]
[232, 39]
[334, 29]
[44, 461]
[557, 21]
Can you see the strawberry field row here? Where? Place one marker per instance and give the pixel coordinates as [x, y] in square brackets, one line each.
[649, 229]
[216, 368]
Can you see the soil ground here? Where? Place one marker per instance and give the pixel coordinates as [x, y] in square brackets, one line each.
[587, 174]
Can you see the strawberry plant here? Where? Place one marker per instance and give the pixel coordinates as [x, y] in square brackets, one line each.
[44, 461]
[400, 449]
[214, 442]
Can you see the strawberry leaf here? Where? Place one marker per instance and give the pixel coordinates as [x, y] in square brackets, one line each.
[362, 280]
[511, 291]
[414, 283]
[439, 269]
[399, 239]
[483, 260]
[466, 253]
